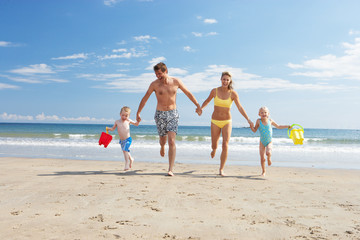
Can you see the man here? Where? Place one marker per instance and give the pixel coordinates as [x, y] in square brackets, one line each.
[166, 115]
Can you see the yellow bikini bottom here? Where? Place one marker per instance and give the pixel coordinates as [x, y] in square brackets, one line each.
[221, 123]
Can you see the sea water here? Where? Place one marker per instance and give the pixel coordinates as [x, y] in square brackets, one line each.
[322, 148]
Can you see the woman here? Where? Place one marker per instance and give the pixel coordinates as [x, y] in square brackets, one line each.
[221, 117]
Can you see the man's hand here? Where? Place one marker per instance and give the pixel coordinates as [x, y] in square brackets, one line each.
[138, 118]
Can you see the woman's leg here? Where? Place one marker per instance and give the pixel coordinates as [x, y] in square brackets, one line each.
[215, 135]
[226, 134]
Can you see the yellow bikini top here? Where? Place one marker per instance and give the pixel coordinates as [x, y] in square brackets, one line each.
[221, 102]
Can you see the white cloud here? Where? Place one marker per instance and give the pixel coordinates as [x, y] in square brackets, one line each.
[155, 61]
[42, 117]
[354, 32]
[210, 78]
[34, 69]
[210, 21]
[332, 67]
[132, 53]
[5, 44]
[188, 49]
[14, 117]
[119, 50]
[144, 38]
[197, 34]
[7, 86]
[110, 3]
[74, 56]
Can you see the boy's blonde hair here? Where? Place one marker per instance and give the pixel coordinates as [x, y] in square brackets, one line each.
[125, 109]
[264, 108]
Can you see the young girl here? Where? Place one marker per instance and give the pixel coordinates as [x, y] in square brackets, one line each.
[264, 124]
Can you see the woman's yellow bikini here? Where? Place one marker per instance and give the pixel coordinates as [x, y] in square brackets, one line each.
[222, 103]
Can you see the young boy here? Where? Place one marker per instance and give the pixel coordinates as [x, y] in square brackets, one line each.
[123, 128]
[264, 124]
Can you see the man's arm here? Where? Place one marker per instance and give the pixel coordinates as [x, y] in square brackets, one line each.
[143, 101]
[188, 94]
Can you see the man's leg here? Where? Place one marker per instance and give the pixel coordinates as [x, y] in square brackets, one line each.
[172, 152]
[162, 141]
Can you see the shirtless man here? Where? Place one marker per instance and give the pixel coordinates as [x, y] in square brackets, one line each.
[166, 115]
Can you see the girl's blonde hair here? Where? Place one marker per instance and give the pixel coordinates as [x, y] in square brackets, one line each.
[230, 87]
[264, 108]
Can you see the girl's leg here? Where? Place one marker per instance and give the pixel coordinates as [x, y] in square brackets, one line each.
[215, 135]
[226, 134]
[268, 153]
[262, 158]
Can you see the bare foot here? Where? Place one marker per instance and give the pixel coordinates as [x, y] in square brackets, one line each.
[162, 151]
[263, 174]
[269, 161]
[212, 154]
[131, 162]
[221, 173]
[170, 174]
[126, 169]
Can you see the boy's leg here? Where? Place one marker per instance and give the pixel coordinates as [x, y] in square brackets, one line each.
[268, 153]
[262, 158]
[131, 160]
[127, 160]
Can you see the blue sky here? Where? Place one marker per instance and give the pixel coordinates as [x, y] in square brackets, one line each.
[81, 61]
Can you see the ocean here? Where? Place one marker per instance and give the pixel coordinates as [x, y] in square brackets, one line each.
[322, 148]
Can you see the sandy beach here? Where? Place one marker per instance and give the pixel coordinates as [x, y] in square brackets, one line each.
[67, 199]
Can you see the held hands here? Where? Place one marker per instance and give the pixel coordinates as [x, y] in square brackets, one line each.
[198, 111]
[138, 118]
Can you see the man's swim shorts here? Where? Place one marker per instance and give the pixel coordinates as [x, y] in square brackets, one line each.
[166, 121]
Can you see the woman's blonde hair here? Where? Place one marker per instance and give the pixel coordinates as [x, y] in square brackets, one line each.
[230, 87]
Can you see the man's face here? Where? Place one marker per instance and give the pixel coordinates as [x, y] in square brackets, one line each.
[160, 75]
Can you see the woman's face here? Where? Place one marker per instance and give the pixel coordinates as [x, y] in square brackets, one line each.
[225, 80]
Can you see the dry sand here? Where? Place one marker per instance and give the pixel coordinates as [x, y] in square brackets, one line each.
[66, 199]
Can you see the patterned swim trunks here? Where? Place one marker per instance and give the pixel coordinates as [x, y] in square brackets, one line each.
[166, 121]
[125, 144]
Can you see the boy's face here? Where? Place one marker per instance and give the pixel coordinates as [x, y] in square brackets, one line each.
[263, 113]
[124, 115]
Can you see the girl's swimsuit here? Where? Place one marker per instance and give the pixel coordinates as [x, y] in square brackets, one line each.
[222, 103]
[265, 133]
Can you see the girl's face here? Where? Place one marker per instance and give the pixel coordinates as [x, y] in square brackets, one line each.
[124, 115]
[225, 80]
[264, 113]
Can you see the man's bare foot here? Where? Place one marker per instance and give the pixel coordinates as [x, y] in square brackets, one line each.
[126, 169]
[212, 154]
[221, 173]
[162, 151]
[263, 174]
[170, 174]
[131, 162]
[269, 161]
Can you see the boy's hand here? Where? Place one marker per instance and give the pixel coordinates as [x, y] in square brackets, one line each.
[138, 118]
